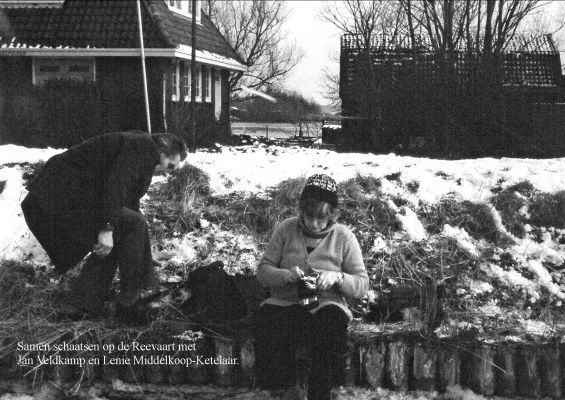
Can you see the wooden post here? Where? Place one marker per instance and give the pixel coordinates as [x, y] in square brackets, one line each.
[247, 363]
[425, 366]
[192, 145]
[485, 370]
[224, 373]
[527, 373]
[449, 365]
[477, 368]
[398, 364]
[373, 363]
[142, 46]
[550, 371]
[110, 372]
[505, 374]
[352, 364]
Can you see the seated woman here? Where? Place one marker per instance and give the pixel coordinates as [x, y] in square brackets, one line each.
[312, 265]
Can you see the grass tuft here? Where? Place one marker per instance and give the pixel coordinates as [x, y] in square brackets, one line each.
[475, 218]
[186, 183]
[394, 176]
[510, 203]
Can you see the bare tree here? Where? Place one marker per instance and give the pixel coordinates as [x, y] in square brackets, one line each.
[546, 21]
[255, 29]
[365, 19]
[484, 26]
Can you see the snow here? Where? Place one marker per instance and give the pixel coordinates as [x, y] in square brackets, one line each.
[409, 222]
[16, 241]
[10, 154]
[533, 261]
[462, 239]
[229, 171]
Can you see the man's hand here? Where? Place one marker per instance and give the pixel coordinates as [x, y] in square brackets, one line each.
[105, 243]
[293, 275]
[327, 279]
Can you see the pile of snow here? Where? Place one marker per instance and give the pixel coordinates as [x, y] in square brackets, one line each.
[16, 241]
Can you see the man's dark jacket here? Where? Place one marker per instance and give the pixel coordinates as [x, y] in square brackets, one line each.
[103, 174]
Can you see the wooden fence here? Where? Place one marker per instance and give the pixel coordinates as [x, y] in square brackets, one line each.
[459, 104]
[399, 360]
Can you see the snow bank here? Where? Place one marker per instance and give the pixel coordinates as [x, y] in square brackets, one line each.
[16, 241]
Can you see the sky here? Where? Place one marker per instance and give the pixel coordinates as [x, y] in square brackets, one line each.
[318, 40]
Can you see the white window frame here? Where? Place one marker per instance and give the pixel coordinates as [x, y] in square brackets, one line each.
[199, 83]
[184, 7]
[187, 77]
[175, 81]
[64, 66]
[208, 85]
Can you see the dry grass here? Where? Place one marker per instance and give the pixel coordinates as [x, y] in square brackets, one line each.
[509, 202]
[25, 292]
[475, 218]
[185, 183]
[522, 204]
[364, 211]
[419, 263]
[545, 210]
[258, 214]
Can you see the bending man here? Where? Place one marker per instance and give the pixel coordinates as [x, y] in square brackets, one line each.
[87, 198]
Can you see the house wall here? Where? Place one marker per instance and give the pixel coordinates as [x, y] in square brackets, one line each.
[212, 118]
[114, 102]
[225, 102]
[121, 93]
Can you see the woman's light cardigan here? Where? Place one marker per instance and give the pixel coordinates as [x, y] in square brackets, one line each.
[338, 251]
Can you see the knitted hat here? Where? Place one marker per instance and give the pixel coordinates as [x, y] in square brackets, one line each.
[320, 187]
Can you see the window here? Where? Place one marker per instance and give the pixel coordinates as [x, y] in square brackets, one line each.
[49, 68]
[199, 83]
[184, 7]
[208, 84]
[186, 81]
[175, 80]
[45, 69]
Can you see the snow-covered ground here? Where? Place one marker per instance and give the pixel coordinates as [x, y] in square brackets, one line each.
[253, 169]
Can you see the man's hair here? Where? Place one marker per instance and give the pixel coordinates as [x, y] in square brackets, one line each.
[170, 144]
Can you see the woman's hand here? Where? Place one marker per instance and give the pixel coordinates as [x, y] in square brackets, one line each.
[293, 275]
[327, 279]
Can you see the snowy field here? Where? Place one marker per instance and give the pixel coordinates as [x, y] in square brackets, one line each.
[534, 271]
[254, 169]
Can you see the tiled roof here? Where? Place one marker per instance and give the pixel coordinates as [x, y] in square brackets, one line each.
[177, 28]
[109, 24]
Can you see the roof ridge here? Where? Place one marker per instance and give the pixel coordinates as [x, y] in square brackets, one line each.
[155, 15]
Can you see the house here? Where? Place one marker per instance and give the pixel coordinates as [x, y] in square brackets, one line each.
[96, 43]
[397, 97]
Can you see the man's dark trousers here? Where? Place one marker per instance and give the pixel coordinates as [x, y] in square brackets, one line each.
[67, 238]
